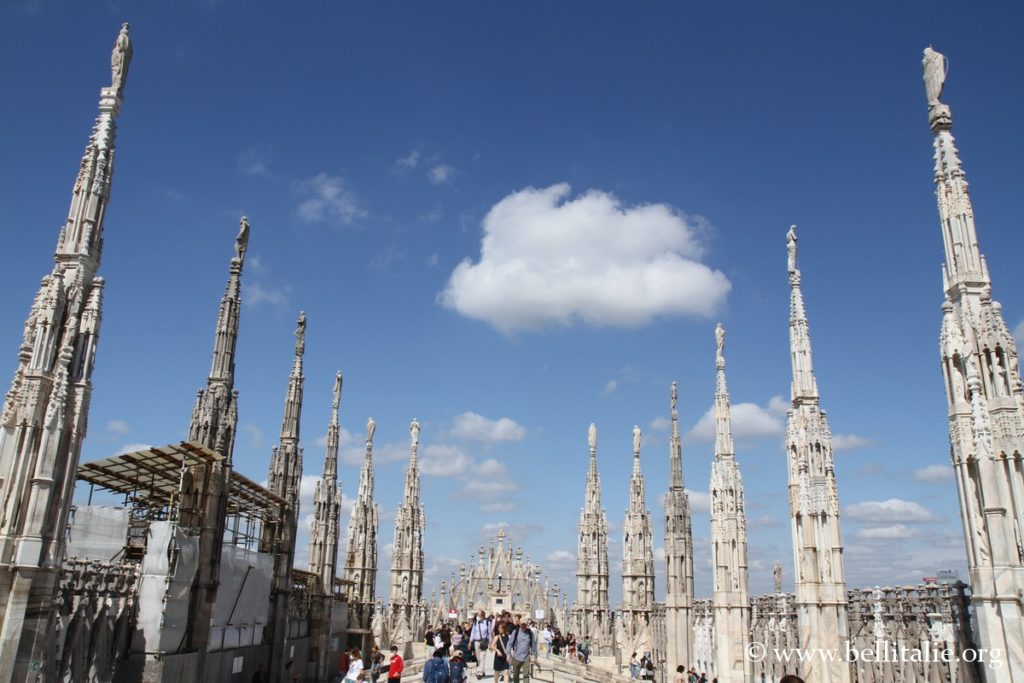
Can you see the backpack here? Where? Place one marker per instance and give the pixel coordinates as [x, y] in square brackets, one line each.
[512, 642]
[436, 671]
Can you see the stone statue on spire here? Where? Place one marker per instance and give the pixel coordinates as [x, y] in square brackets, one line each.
[777, 575]
[337, 382]
[720, 344]
[935, 68]
[414, 432]
[371, 427]
[300, 334]
[675, 398]
[120, 58]
[791, 247]
[636, 439]
[242, 241]
[592, 436]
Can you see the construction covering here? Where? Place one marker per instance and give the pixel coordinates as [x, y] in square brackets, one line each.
[243, 598]
[97, 532]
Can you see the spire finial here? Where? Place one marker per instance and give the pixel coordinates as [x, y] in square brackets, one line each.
[414, 432]
[592, 438]
[337, 392]
[120, 58]
[371, 427]
[935, 69]
[720, 346]
[791, 247]
[300, 334]
[636, 441]
[674, 400]
[242, 240]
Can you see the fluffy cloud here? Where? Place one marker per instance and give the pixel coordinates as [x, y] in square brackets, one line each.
[749, 421]
[551, 259]
[254, 161]
[660, 424]
[440, 460]
[889, 532]
[700, 501]
[848, 442]
[328, 200]
[408, 162]
[934, 474]
[889, 511]
[132, 447]
[440, 174]
[118, 427]
[473, 427]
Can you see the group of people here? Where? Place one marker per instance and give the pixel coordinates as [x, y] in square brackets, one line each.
[513, 641]
[691, 676]
[643, 669]
[351, 666]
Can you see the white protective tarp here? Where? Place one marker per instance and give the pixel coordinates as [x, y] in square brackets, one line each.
[243, 598]
[97, 532]
[164, 589]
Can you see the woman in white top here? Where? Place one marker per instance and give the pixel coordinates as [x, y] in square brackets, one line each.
[355, 667]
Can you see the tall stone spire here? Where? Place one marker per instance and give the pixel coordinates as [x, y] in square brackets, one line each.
[361, 549]
[678, 552]
[592, 555]
[286, 458]
[45, 413]
[323, 548]
[638, 547]
[407, 556]
[728, 542]
[986, 403]
[215, 415]
[813, 504]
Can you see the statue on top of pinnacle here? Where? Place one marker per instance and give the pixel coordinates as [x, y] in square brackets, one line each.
[242, 240]
[120, 59]
[791, 247]
[300, 333]
[720, 343]
[371, 427]
[636, 439]
[935, 68]
[592, 436]
[414, 432]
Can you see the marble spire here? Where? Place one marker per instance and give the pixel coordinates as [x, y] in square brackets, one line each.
[678, 551]
[407, 556]
[361, 549]
[984, 393]
[286, 459]
[731, 598]
[215, 415]
[592, 555]
[45, 413]
[637, 546]
[323, 547]
[821, 602]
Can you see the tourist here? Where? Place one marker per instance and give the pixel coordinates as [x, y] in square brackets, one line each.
[634, 667]
[457, 636]
[499, 646]
[648, 673]
[570, 648]
[457, 668]
[642, 667]
[480, 635]
[395, 666]
[436, 669]
[681, 676]
[428, 637]
[355, 666]
[343, 661]
[376, 663]
[585, 651]
[790, 678]
[522, 650]
[703, 677]
[446, 639]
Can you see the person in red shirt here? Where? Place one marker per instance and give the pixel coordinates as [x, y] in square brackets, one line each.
[395, 666]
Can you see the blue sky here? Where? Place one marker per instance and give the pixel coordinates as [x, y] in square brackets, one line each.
[634, 168]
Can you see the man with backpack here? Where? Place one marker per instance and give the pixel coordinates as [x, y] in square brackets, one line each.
[436, 669]
[480, 635]
[522, 648]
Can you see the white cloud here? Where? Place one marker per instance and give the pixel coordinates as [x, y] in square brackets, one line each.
[118, 427]
[440, 460]
[256, 293]
[560, 559]
[660, 424]
[440, 174]
[328, 200]
[132, 447]
[848, 442]
[472, 427]
[551, 259]
[256, 439]
[749, 421]
[254, 161]
[700, 501]
[889, 511]
[497, 507]
[408, 162]
[609, 387]
[934, 474]
[890, 532]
